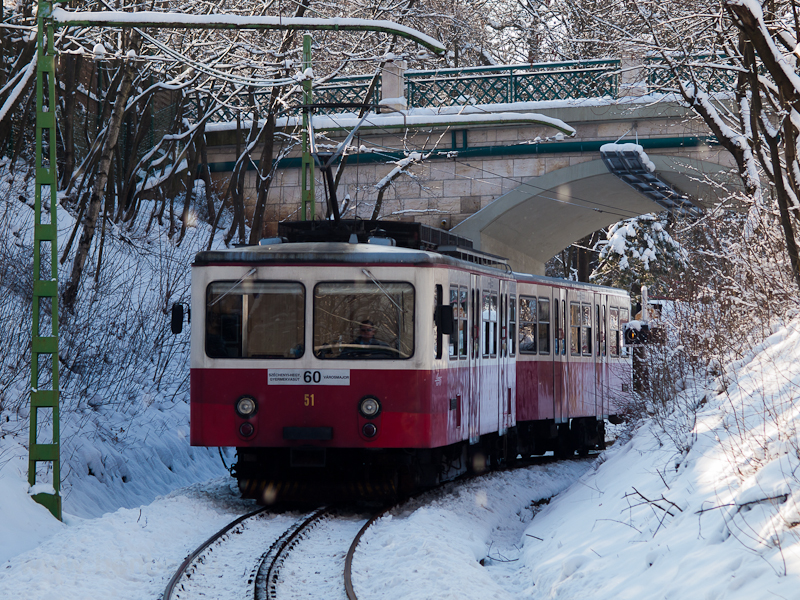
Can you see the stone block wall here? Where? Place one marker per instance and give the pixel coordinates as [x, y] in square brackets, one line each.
[446, 189]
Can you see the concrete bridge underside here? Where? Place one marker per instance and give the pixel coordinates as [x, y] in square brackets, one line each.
[532, 223]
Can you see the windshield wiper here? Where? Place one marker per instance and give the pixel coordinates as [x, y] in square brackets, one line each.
[234, 286]
[380, 287]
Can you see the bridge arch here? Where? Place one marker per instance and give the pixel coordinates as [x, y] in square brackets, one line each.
[545, 214]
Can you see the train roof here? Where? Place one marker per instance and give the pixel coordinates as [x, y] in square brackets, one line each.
[567, 282]
[344, 253]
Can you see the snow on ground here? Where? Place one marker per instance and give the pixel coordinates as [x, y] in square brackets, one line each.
[124, 420]
[708, 513]
[717, 520]
[645, 520]
[132, 553]
[125, 554]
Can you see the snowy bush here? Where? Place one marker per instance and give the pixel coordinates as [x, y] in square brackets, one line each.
[123, 376]
[640, 251]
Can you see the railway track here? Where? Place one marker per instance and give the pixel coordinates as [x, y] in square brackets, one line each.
[264, 580]
[199, 576]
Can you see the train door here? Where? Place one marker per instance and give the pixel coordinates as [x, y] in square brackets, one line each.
[560, 356]
[600, 354]
[511, 340]
[474, 359]
[504, 387]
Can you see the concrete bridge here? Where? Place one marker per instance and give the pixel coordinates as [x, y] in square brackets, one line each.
[517, 189]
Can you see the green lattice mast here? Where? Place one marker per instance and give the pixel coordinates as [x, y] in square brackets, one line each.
[44, 339]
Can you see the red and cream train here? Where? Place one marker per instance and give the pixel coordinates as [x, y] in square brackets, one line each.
[389, 368]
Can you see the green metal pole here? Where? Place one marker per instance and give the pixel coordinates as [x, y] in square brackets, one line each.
[44, 450]
[307, 163]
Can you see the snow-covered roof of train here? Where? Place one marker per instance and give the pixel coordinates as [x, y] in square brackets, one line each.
[368, 254]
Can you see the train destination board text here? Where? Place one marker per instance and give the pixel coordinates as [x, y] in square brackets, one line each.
[308, 376]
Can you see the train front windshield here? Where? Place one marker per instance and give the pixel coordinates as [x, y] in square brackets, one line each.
[355, 320]
[255, 319]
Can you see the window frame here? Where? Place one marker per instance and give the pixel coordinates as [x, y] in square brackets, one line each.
[354, 283]
[539, 323]
[512, 324]
[574, 329]
[489, 325]
[245, 317]
[587, 331]
[613, 316]
[535, 314]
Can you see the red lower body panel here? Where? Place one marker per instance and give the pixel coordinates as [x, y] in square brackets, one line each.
[412, 415]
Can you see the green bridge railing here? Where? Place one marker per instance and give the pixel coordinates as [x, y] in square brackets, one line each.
[506, 84]
[489, 85]
[473, 85]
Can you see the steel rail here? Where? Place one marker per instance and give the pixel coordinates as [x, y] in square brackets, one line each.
[348, 561]
[191, 558]
[272, 560]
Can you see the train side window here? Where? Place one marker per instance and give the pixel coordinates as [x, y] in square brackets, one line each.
[556, 336]
[574, 329]
[475, 329]
[598, 341]
[603, 336]
[462, 322]
[503, 324]
[623, 318]
[437, 333]
[454, 339]
[255, 319]
[563, 332]
[493, 318]
[586, 329]
[527, 325]
[544, 326]
[489, 316]
[613, 330]
[512, 325]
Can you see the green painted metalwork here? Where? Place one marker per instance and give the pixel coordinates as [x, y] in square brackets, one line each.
[307, 167]
[707, 70]
[221, 21]
[514, 83]
[496, 151]
[347, 89]
[44, 342]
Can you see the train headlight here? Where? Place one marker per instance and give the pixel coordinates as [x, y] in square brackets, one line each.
[246, 407]
[369, 407]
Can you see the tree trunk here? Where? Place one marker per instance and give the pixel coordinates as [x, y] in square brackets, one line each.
[98, 192]
[264, 178]
[71, 69]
